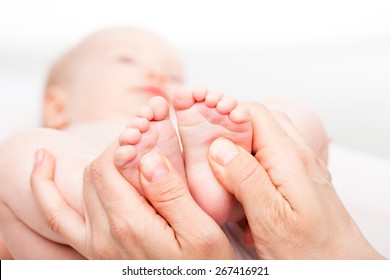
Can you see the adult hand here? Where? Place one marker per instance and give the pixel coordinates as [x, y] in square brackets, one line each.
[292, 208]
[121, 224]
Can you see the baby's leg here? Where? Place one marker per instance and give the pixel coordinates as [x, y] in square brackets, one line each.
[203, 117]
[151, 130]
[22, 224]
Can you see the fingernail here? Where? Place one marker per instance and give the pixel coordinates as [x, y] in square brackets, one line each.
[38, 157]
[223, 151]
[153, 167]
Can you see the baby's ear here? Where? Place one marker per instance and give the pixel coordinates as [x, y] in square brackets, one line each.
[55, 114]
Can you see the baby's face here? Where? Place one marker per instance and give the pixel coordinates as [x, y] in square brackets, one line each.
[118, 73]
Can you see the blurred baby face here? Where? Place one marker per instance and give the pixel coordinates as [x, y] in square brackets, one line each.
[118, 73]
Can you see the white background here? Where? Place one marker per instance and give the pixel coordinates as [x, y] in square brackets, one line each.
[280, 270]
[333, 55]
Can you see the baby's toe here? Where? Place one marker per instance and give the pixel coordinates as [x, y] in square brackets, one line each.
[212, 99]
[142, 124]
[129, 136]
[159, 107]
[123, 155]
[226, 105]
[239, 115]
[183, 99]
[145, 112]
[199, 94]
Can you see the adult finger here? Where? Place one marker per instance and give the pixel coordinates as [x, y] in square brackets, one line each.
[265, 128]
[240, 173]
[61, 218]
[282, 153]
[123, 224]
[105, 192]
[288, 126]
[168, 192]
[272, 145]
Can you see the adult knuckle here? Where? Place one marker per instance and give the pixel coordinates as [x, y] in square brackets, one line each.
[211, 247]
[52, 221]
[172, 192]
[212, 240]
[119, 228]
[305, 158]
[247, 177]
[100, 248]
[312, 164]
[123, 230]
[94, 171]
[277, 221]
[206, 237]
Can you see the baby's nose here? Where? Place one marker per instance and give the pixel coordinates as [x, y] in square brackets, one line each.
[156, 76]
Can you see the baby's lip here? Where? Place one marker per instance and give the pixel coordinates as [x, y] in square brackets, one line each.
[150, 90]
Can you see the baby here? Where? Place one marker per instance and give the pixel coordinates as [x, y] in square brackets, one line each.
[112, 77]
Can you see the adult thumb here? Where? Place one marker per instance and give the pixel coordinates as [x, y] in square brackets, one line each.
[241, 174]
[168, 193]
[63, 220]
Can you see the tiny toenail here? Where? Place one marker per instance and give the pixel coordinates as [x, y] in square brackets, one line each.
[223, 151]
[153, 167]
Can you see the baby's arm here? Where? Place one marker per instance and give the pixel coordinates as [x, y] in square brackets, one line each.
[22, 224]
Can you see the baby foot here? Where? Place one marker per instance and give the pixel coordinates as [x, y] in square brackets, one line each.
[151, 130]
[203, 117]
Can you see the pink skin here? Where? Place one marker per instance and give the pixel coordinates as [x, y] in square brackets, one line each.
[202, 117]
[151, 130]
[95, 87]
